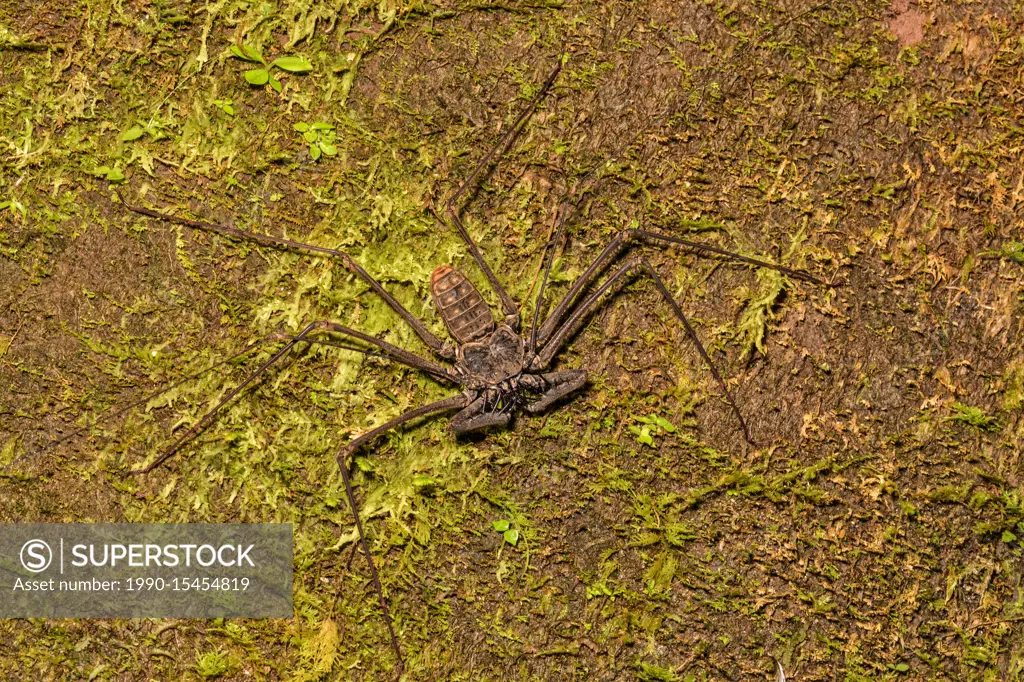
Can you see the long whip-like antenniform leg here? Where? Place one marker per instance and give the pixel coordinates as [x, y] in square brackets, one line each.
[564, 208]
[700, 246]
[562, 308]
[508, 305]
[562, 217]
[700, 346]
[445, 405]
[578, 316]
[550, 248]
[388, 351]
[142, 401]
[393, 352]
[435, 344]
[621, 241]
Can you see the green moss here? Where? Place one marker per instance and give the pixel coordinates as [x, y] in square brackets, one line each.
[973, 416]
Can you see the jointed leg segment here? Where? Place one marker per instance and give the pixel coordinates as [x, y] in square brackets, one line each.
[476, 417]
[452, 403]
[208, 417]
[443, 350]
[620, 242]
[393, 352]
[560, 384]
[578, 316]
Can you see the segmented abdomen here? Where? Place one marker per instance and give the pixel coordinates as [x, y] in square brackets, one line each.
[461, 306]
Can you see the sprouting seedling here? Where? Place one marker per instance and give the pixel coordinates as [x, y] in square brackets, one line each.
[504, 526]
[153, 127]
[263, 75]
[225, 105]
[13, 205]
[320, 137]
[109, 174]
[652, 426]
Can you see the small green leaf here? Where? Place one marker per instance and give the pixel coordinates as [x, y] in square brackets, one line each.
[276, 84]
[327, 148]
[115, 175]
[643, 435]
[314, 152]
[14, 205]
[1008, 536]
[511, 536]
[133, 133]
[320, 125]
[663, 423]
[293, 64]
[310, 136]
[247, 53]
[257, 76]
[301, 127]
[902, 667]
[501, 525]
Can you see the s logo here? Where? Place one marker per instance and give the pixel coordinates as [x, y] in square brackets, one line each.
[36, 556]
